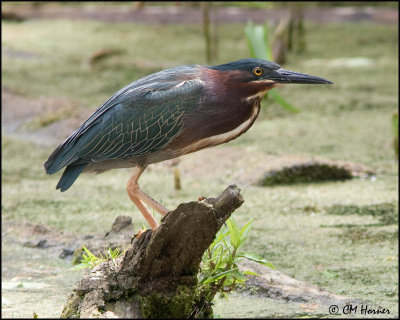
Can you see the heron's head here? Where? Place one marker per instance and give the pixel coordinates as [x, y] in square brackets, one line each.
[257, 76]
[257, 70]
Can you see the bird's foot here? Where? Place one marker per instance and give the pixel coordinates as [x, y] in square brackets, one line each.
[201, 198]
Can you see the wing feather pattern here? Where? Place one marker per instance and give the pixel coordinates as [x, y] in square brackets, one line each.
[136, 121]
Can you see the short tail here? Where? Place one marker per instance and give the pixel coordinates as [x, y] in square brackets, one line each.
[69, 176]
[60, 157]
[65, 155]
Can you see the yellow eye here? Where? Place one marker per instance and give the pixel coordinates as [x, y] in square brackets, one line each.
[258, 71]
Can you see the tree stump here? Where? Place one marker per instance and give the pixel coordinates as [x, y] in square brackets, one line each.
[157, 276]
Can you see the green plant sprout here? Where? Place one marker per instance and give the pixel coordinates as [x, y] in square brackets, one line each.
[89, 260]
[257, 39]
[219, 270]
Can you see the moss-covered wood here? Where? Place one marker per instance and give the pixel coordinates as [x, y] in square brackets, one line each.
[157, 276]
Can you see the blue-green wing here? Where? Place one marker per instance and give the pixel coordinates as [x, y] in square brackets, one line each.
[139, 121]
[125, 132]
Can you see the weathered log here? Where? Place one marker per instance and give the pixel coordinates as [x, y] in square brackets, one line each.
[157, 276]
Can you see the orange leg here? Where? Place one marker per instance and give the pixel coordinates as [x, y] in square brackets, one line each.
[138, 197]
[151, 202]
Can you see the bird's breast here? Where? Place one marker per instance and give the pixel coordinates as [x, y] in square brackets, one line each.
[206, 131]
[229, 135]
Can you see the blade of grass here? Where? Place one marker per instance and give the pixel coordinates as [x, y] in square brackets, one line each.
[257, 39]
[256, 258]
[274, 95]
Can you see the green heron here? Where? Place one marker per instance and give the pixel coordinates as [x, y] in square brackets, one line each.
[168, 114]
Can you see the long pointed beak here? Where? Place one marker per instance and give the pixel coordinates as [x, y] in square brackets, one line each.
[286, 76]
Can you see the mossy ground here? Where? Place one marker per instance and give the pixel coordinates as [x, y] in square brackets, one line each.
[349, 254]
[305, 173]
